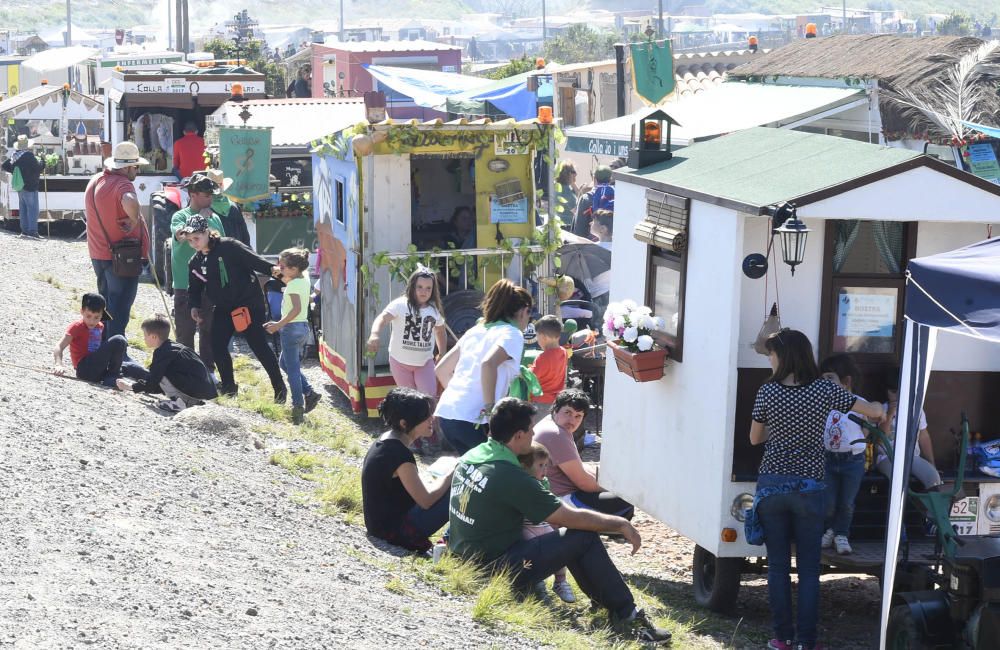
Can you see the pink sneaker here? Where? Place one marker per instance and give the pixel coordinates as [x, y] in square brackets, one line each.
[775, 644]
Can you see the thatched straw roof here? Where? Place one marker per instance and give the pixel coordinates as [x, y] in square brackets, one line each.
[896, 62]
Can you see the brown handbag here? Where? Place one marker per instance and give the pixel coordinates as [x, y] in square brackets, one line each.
[126, 254]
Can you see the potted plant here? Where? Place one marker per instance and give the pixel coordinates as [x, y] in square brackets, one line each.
[628, 328]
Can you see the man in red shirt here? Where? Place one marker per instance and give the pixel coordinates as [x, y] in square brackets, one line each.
[189, 152]
[113, 214]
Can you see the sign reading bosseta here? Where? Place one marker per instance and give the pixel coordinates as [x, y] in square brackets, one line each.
[245, 157]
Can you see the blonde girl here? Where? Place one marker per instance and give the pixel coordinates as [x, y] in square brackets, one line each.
[417, 319]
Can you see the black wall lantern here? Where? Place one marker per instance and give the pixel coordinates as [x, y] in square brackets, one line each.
[792, 232]
[650, 141]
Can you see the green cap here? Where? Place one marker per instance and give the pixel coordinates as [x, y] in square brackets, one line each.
[602, 173]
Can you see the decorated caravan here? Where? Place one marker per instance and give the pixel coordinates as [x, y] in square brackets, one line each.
[841, 221]
[457, 197]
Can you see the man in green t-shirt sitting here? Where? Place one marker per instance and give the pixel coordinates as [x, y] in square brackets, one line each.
[491, 496]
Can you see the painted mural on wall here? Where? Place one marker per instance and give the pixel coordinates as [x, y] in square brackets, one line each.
[335, 212]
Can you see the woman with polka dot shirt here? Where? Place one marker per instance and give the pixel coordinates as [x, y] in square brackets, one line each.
[789, 418]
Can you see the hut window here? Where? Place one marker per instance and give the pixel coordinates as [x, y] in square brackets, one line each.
[339, 206]
[665, 230]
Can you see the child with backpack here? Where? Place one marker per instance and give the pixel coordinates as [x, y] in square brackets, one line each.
[294, 328]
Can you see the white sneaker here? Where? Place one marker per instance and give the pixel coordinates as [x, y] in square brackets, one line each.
[843, 546]
[564, 591]
[827, 540]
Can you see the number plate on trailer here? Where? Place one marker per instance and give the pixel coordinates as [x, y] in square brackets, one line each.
[964, 514]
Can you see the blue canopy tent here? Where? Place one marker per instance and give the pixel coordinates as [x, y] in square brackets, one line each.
[959, 292]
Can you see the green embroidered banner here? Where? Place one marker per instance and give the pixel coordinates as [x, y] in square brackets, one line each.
[652, 70]
[245, 157]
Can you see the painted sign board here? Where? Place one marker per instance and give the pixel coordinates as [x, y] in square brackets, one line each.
[172, 85]
[515, 212]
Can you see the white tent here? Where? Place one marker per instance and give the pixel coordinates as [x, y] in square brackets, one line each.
[59, 58]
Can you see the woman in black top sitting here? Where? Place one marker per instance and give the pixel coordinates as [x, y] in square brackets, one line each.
[398, 506]
[789, 417]
[226, 270]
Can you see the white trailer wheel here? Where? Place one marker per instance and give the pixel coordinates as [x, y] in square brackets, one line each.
[716, 580]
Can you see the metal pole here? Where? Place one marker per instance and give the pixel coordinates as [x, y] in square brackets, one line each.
[187, 27]
[69, 26]
[620, 77]
[178, 25]
[844, 6]
[342, 21]
[170, 27]
[545, 32]
[659, 23]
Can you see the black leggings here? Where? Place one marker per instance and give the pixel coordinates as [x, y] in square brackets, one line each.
[256, 336]
[606, 502]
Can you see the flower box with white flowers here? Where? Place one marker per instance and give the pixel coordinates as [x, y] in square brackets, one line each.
[628, 328]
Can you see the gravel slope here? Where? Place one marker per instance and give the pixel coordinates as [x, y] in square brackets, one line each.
[127, 528]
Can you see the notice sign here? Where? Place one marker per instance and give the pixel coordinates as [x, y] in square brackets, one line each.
[866, 313]
[245, 157]
[983, 162]
[514, 212]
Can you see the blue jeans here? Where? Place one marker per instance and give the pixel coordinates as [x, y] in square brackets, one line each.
[427, 522]
[293, 341]
[27, 210]
[463, 435]
[794, 518]
[106, 363]
[844, 472]
[120, 294]
[580, 551]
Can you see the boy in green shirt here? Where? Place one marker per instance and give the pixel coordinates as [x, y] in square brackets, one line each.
[492, 495]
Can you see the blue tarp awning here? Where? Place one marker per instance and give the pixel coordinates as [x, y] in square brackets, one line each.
[458, 93]
[957, 291]
[992, 131]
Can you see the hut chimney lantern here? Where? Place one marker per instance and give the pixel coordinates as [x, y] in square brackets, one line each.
[650, 141]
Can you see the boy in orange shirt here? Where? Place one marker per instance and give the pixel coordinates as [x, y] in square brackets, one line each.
[551, 365]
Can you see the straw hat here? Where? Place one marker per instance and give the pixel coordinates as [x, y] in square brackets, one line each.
[219, 179]
[125, 154]
[22, 143]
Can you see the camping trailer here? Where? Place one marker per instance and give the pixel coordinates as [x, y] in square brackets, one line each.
[383, 198]
[678, 448]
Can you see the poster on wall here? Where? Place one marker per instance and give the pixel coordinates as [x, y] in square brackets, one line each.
[515, 212]
[292, 172]
[866, 319]
[983, 162]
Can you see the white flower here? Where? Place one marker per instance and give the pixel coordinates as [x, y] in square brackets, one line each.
[618, 321]
[644, 310]
[629, 305]
[609, 333]
[631, 334]
[613, 309]
[647, 322]
[645, 343]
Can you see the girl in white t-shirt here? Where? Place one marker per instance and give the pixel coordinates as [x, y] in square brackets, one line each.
[478, 371]
[417, 323]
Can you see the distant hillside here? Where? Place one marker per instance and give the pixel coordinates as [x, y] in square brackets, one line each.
[38, 14]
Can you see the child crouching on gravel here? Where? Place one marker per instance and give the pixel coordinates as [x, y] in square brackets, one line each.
[96, 361]
[536, 462]
[176, 371]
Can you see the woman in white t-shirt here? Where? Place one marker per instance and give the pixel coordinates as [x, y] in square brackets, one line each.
[478, 371]
[417, 322]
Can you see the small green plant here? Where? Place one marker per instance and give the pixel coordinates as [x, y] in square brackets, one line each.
[397, 586]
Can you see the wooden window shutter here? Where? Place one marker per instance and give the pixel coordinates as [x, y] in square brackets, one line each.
[666, 222]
